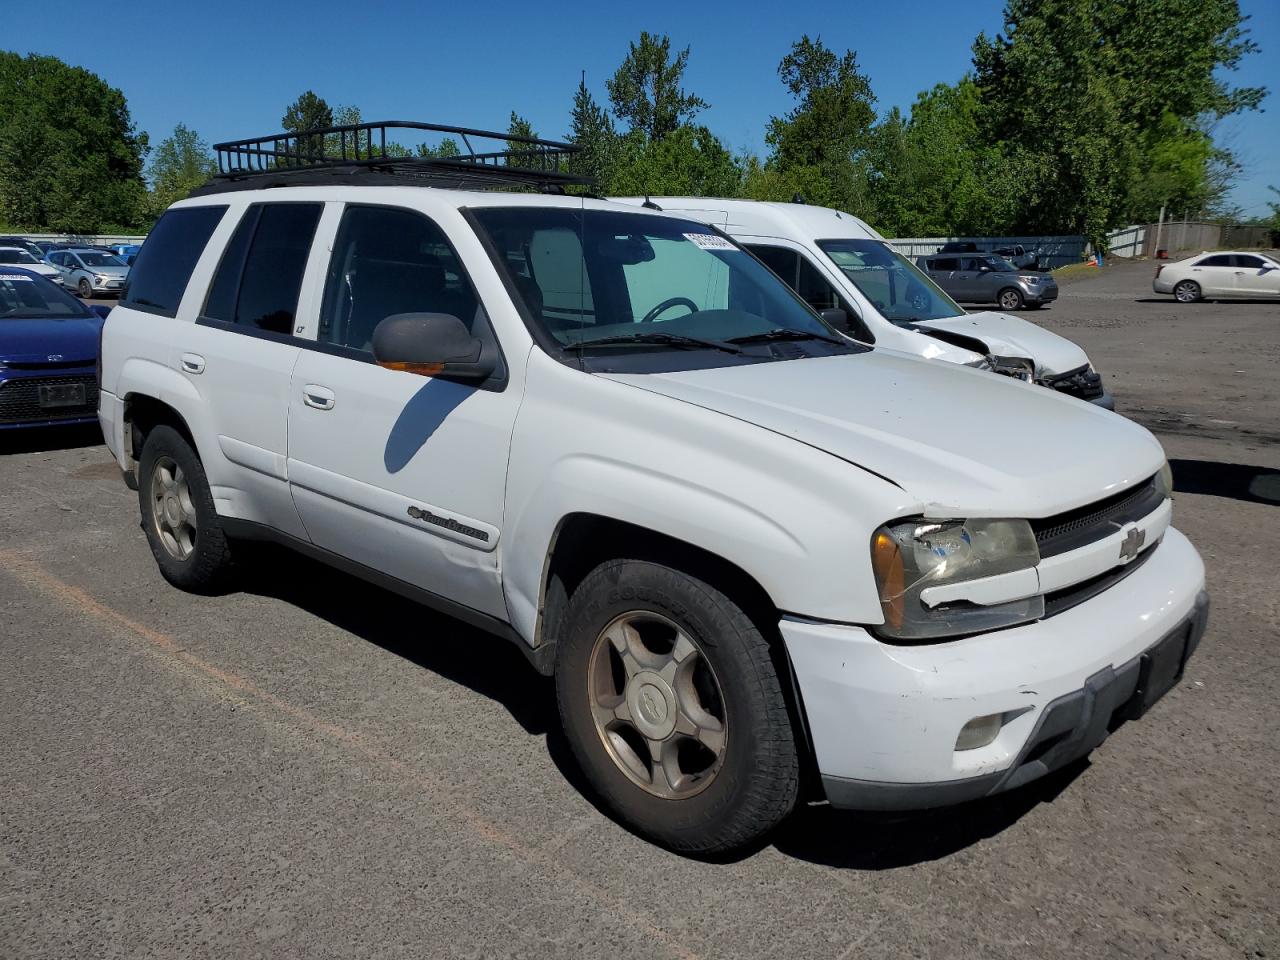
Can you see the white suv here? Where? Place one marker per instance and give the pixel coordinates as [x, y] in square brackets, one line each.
[842, 266]
[763, 563]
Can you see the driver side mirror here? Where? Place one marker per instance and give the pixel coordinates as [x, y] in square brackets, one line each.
[430, 345]
[836, 317]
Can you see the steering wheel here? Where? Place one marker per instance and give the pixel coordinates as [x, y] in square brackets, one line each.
[666, 305]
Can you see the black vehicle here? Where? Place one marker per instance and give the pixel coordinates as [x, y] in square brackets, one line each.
[960, 246]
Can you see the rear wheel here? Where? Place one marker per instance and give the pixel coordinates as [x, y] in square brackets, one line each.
[673, 709]
[1010, 298]
[182, 527]
[1187, 291]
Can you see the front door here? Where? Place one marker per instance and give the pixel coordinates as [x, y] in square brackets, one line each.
[1256, 277]
[401, 473]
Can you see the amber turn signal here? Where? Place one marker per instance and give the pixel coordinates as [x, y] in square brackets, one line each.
[886, 559]
[421, 369]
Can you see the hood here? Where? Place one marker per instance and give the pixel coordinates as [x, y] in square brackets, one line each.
[1008, 336]
[961, 441]
[35, 341]
[44, 269]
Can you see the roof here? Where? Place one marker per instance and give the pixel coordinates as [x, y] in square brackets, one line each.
[767, 218]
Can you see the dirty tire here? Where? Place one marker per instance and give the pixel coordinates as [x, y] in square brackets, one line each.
[207, 568]
[757, 781]
[1186, 291]
[1010, 298]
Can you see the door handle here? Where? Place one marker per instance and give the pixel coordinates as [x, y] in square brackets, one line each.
[193, 363]
[314, 395]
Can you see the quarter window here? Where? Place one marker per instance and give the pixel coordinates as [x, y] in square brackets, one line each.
[163, 268]
[388, 261]
[260, 276]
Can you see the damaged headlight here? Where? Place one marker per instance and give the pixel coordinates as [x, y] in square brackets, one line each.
[911, 556]
[1020, 368]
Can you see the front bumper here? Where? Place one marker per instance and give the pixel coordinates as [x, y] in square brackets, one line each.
[20, 403]
[1041, 295]
[884, 719]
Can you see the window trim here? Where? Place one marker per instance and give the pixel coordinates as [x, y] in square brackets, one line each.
[171, 314]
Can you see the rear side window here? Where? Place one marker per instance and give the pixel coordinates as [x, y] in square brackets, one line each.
[260, 276]
[944, 264]
[160, 274]
[1221, 260]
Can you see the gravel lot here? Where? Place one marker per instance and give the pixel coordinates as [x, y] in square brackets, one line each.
[316, 768]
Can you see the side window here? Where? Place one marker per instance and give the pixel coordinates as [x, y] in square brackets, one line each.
[1248, 262]
[944, 265]
[1221, 260]
[260, 275]
[785, 263]
[388, 261]
[160, 274]
[814, 288]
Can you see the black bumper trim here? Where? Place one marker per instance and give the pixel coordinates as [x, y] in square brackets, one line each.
[1068, 729]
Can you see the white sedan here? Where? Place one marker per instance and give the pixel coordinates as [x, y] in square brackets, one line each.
[17, 257]
[1223, 275]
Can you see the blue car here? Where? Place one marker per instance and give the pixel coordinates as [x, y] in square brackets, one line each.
[48, 353]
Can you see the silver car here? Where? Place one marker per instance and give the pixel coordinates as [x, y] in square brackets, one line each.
[983, 278]
[90, 272]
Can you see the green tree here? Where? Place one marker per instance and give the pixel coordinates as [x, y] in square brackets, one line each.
[646, 92]
[689, 161]
[819, 144]
[521, 154]
[592, 130]
[180, 164]
[70, 157]
[308, 112]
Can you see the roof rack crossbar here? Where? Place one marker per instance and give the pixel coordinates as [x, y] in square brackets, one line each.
[521, 161]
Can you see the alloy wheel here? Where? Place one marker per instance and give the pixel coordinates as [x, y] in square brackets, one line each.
[657, 705]
[1009, 300]
[173, 513]
[1186, 292]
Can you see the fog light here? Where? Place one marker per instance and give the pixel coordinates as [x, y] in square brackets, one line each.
[979, 731]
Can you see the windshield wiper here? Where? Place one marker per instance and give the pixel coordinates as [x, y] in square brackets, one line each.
[783, 333]
[661, 339]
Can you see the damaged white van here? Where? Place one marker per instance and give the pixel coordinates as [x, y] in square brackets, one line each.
[845, 268]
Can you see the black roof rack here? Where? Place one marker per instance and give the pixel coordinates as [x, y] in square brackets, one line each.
[359, 153]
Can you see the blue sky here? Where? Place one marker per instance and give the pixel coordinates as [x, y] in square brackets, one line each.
[229, 69]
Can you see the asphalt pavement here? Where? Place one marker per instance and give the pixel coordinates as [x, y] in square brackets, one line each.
[313, 767]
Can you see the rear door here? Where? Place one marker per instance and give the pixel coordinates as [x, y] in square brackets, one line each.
[1216, 275]
[402, 473]
[241, 351]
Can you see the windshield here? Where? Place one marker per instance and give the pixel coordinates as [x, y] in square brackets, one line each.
[16, 256]
[588, 276]
[27, 298]
[897, 288]
[91, 258]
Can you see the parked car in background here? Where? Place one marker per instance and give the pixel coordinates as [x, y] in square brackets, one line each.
[990, 279]
[960, 246]
[1221, 275]
[843, 268]
[19, 257]
[128, 252]
[48, 353]
[1019, 256]
[22, 243]
[90, 272]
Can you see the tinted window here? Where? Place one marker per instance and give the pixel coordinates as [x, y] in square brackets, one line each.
[1249, 263]
[947, 263]
[388, 261]
[785, 263]
[1221, 260]
[263, 265]
[160, 274]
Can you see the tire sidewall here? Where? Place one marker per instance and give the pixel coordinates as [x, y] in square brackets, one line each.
[1021, 301]
[717, 627]
[201, 568]
[1189, 285]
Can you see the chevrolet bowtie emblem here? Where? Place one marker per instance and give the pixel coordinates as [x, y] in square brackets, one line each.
[1132, 543]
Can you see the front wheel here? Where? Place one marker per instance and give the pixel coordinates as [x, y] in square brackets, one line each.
[84, 288]
[1010, 299]
[1187, 291]
[673, 708]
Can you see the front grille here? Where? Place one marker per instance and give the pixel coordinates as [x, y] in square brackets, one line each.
[1083, 525]
[20, 400]
[1082, 382]
[1063, 600]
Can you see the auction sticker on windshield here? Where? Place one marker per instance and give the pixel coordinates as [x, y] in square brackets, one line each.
[709, 241]
[14, 276]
